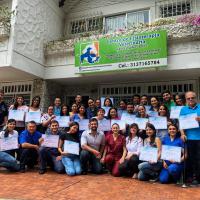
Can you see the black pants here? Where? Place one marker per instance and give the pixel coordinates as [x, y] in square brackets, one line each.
[28, 157]
[129, 167]
[193, 161]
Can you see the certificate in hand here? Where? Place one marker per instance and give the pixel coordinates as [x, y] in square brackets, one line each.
[149, 154]
[9, 143]
[175, 112]
[50, 141]
[158, 122]
[128, 118]
[152, 113]
[71, 147]
[104, 125]
[188, 121]
[141, 122]
[83, 124]
[63, 121]
[121, 123]
[171, 153]
[33, 116]
[106, 110]
[18, 115]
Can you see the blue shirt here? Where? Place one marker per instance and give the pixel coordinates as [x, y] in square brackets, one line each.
[91, 112]
[26, 137]
[177, 142]
[192, 134]
[57, 110]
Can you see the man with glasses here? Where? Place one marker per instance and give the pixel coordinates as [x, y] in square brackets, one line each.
[3, 111]
[193, 139]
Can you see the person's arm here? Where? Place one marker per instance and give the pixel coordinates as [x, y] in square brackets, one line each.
[90, 149]
[27, 145]
[60, 145]
[159, 146]
[5, 120]
[45, 123]
[123, 155]
[183, 135]
[104, 154]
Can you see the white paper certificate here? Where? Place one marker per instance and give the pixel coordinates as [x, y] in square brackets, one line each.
[128, 118]
[33, 116]
[83, 124]
[149, 154]
[121, 123]
[63, 121]
[152, 113]
[175, 112]
[141, 122]
[50, 140]
[106, 110]
[158, 122]
[18, 115]
[71, 147]
[188, 121]
[9, 143]
[104, 125]
[171, 153]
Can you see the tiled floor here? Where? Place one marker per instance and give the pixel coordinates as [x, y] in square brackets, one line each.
[52, 186]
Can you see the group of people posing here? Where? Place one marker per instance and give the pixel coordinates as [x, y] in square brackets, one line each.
[96, 150]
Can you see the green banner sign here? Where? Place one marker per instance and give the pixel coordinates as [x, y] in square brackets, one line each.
[143, 50]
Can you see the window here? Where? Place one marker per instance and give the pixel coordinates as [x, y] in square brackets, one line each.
[86, 25]
[171, 8]
[127, 20]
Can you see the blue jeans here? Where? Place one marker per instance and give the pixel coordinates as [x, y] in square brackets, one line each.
[48, 158]
[173, 171]
[8, 161]
[72, 165]
[148, 170]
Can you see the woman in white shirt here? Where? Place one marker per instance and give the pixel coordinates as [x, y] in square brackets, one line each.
[19, 105]
[7, 158]
[133, 145]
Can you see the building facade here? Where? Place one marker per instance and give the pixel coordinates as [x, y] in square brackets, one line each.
[37, 51]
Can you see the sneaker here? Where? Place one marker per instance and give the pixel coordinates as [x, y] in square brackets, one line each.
[42, 171]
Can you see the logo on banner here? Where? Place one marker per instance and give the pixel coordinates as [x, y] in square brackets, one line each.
[89, 53]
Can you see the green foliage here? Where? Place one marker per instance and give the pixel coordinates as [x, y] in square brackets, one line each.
[5, 17]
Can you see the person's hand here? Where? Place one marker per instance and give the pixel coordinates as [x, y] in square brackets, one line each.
[171, 161]
[53, 117]
[64, 153]
[58, 158]
[97, 153]
[165, 165]
[102, 160]
[198, 119]
[152, 162]
[121, 160]
[128, 157]
[183, 137]
[37, 147]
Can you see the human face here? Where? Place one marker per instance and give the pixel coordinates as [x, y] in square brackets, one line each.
[93, 126]
[31, 128]
[178, 100]
[82, 110]
[136, 100]
[149, 132]
[115, 128]
[142, 111]
[11, 126]
[113, 113]
[166, 97]
[107, 102]
[78, 99]
[172, 131]
[36, 102]
[50, 110]
[130, 108]
[162, 111]
[191, 99]
[20, 100]
[154, 102]
[54, 127]
[91, 103]
[122, 105]
[98, 103]
[133, 131]
[74, 108]
[64, 110]
[144, 100]
[100, 114]
[73, 129]
[57, 102]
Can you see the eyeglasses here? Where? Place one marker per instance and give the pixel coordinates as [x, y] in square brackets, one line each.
[191, 98]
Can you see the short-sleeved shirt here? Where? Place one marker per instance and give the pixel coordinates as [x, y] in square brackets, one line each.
[3, 112]
[134, 145]
[57, 110]
[70, 137]
[115, 147]
[177, 142]
[26, 137]
[14, 133]
[93, 141]
[192, 134]
[169, 104]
